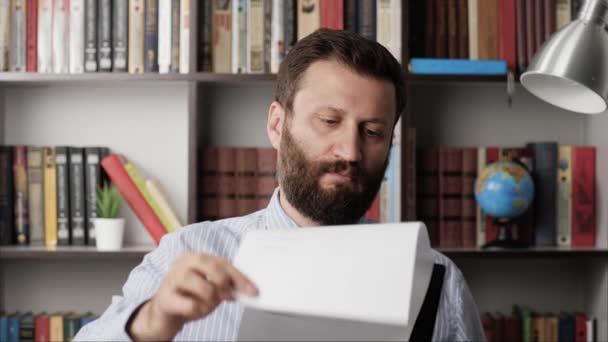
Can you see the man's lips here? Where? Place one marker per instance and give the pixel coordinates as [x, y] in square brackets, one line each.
[342, 176]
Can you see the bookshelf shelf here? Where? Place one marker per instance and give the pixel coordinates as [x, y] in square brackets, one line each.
[529, 252]
[71, 252]
[417, 78]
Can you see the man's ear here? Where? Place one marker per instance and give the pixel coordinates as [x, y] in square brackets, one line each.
[274, 126]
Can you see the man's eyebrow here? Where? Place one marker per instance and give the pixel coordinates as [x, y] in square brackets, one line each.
[343, 112]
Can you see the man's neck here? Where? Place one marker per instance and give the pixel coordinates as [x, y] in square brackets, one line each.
[294, 214]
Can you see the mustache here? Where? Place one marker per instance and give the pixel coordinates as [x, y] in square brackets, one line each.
[341, 166]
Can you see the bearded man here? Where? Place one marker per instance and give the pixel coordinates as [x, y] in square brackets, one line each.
[337, 100]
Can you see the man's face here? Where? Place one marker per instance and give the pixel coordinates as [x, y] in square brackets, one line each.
[334, 144]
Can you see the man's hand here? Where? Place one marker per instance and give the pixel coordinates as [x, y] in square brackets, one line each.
[194, 286]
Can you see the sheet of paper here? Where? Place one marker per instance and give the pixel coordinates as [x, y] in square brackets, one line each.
[374, 273]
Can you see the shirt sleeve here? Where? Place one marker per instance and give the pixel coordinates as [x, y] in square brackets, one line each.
[142, 283]
[466, 319]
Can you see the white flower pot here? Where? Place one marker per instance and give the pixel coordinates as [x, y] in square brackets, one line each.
[109, 233]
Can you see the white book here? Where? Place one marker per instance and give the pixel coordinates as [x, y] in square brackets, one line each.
[255, 36]
[239, 36]
[563, 13]
[277, 38]
[388, 26]
[60, 36]
[136, 36]
[45, 36]
[323, 274]
[473, 35]
[17, 50]
[184, 37]
[164, 36]
[5, 30]
[76, 36]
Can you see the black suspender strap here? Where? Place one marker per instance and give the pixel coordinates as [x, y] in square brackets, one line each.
[425, 322]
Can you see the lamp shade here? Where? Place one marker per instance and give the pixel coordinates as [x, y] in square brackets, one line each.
[571, 69]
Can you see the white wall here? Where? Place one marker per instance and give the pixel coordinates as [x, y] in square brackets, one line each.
[147, 123]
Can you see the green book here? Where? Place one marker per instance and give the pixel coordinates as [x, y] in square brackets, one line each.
[141, 186]
[526, 322]
[71, 325]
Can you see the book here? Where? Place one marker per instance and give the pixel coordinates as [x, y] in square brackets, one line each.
[473, 29]
[469, 206]
[290, 25]
[176, 30]
[7, 212]
[450, 197]
[184, 37]
[205, 36]
[26, 328]
[22, 223]
[50, 196]
[35, 188]
[139, 182]
[77, 196]
[583, 196]
[5, 33]
[77, 36]
[226, 183]
[427, 159]
[239, 36]
[161, 200]
[136, 36]
[366, 19]
[93, 181]
[64, 224]
[104, 35]
[13, 327]
[221, 47]
[438, 66]
[544, 175]
[507, 47]
[151, 35]
[90, 36]
[277, 40]
[56, 327]
[255, 37]
[113, 166]
[31, 36]
[164, 36]
[42, 328]
[388, 23]
[120, 35]
[71, 325]
[45, 36]
[209, 184]
[308, 17]
[61, 37]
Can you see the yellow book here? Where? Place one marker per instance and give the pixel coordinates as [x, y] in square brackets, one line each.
[160, 199]
[50, 197]
[56, 327]
[141, 186]
[564, 196]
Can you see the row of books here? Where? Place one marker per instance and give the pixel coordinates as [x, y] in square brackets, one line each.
[75, 36]
[143, 194]
[235, 181]
[564, 208]
[17, 327]
[525, 325]
[48, 194]
[510, 30]
[252, 36]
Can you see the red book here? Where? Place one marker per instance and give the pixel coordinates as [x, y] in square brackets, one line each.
[520, 20]
[266, 175]
[31, 35]
[113, 166]
[373, 213]
[492, 156]
[208, 185]
[332, 14]
[450, 197]
[530, 29]
[42, 329]
[580, 327]
[427, 191]
[507, 49]
[583, 196]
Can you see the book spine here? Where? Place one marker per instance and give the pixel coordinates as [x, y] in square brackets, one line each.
[160, 199]
[61, 36]
[239, 32]
[93, 181]
[175, 35]
[77, 196]
[267, 34]
[31, 36]
[539, 23]
[136, 36]
[255, 38]
[410, 165]
[26, 328]
[450, 197]
[226, 188]
[394, 184]
[530, 25]
[116, 171]
[550, 18]
[139, 182]
[308, 17]
[350, 15]
[583, 196]
[601, 197]
[104, 35]
[266, 172]
[473, 29]
[45, 36]
[206, 58]
[6, 196]
[164, 36]
[480, 216]
[222, 37]
[64, 230]
[366, 18]
[452, 36]
[544, 176]
[22, 224]
[395, 43]
[184, 38]
[492, 156]
[564, 196]
[563, 14]
[36, 195]
[487, 31]
[76, 36]
[246, 183]
[5, 33]
[506, 25]
[469, 206]
[42, 328]
[387, 27]
[56, 328]
[208, 192]
[50, 197]
[151, 36]
[290, 24]
[427, 159]
[439, 66]
[90, 35]
[17, 52]
[441, 31]
[120, 32]
[520, 29]
[277, 46]
[463, 29]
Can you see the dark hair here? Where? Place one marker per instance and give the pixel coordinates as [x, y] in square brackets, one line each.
[364, 56]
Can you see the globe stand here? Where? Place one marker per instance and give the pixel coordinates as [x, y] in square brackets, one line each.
[505, 236]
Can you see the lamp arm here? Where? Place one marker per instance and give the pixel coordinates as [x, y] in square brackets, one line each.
[595, 11]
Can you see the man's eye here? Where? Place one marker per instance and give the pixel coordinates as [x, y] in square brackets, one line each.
[330, 122]
[373, 133]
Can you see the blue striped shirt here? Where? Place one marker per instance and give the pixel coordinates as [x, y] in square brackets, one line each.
[457, 316]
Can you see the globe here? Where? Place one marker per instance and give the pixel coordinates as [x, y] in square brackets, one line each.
[504, 190]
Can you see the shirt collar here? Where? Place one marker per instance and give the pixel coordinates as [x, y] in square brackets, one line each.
[277, 218]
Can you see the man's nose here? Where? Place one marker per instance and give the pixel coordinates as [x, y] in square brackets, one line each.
[348, 146]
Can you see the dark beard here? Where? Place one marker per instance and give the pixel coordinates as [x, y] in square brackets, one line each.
[344, 203]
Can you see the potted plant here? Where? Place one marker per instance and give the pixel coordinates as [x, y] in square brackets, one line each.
[109, 228]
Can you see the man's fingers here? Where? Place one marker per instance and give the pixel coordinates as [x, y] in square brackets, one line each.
[193, 284]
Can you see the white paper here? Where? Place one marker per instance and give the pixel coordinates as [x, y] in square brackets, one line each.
[376, 273]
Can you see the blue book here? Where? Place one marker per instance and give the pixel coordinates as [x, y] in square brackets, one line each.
[437, 66]
[544, 174]
[3, 328]
[13, 328]
[566, 328]
[86, 319]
